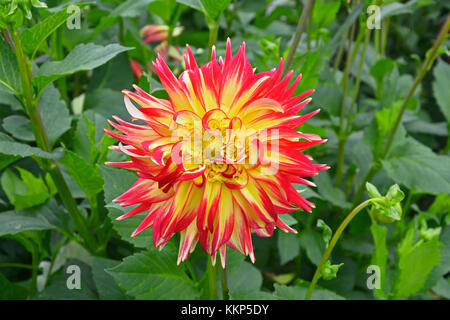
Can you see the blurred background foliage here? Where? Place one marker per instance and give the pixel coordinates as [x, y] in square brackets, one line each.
[362, 78]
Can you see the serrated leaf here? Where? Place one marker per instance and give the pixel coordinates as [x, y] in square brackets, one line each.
[83, 57]
[154, 274]
[298, 292]
[397, 8]
[130, 8]
[313, 244]
[11, 291]
[441, 83]
[33, 37]
[19, 127]
[14, 222]
[26, 191]
[214, 8]
[84, 174]
[106, 286]
[24, 150]
[9, 71]
[117, 181]
[244, 276]
[431, 171]
[288, 246]
[416, 261]
[329, 192]
[54, 113]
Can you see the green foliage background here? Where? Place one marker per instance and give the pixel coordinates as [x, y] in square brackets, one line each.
[78, 75]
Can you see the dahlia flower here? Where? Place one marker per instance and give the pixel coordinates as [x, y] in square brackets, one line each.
[217, 159]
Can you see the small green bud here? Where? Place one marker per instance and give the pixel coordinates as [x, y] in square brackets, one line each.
[326, 230]
[389, 208]
[329, 270]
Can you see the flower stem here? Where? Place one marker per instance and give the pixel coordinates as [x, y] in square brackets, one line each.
[298, 33]
[358, 81]
[32, 107]
[213, 32]
[224, 279]
[423, 71]
[333, 242]
[212, 277]
[341, 137]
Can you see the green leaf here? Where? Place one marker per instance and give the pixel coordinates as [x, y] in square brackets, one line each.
[314, 245]
[195, 4]
[299, 292]
[413, 157]
[25, 192]
[211, 8]
[15, 222]
[380, 256]
[24, 150]
[83, 57]
[328, 191]
[324, 12]
[54, 113]
[86, 176]
[442, 288]
[380, 70]
[351, 18]
[33, 37]
[444, 266]
[19, 127]
[57, 289]
[214, 8]
[106, 286]
[288, 246]
[153, 274]
[6, 160]
[441, 83]
[288, 219]
[416, 261]
[11, 291]
[117, 181]
[251, 295]
[397, 8]
[130, 8]
[243, 277]
[9, 71]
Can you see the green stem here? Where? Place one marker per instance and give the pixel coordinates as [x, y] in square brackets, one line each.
[34, 271]
[58, 54]
[358, 80]
[341, 138]
[298, 33]
[408, 201]
[384, 34]
[32, 107]
[213, 32]
[333, 242]
[212, 277]
[340, 53]
[425, 67]
[224, 281]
